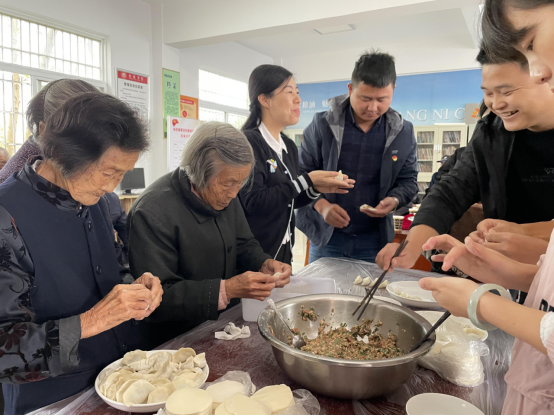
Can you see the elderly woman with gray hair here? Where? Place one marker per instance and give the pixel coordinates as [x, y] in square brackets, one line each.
[189, 229]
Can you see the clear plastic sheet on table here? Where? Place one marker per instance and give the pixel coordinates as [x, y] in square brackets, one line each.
[345, 271]
[456, 356]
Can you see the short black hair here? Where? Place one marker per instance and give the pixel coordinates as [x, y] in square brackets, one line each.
[79, 132]
[376, 69]
[510, 56]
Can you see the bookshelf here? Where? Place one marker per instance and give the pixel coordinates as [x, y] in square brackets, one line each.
[434, 142]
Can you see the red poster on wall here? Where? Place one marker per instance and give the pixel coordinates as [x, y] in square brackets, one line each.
[188, 107]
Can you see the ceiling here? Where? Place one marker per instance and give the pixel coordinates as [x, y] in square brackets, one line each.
[368, 33]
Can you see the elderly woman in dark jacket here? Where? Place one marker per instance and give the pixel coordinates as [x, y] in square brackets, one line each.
[63, 313]
[189, 229]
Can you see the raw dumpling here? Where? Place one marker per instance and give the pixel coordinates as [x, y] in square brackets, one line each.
[384, 284]
[112, 380]
[366, 281]
[159, 394]
[277, 397]
[369, 207]
[340, 176]
[133, 356]
[125, 384]
[358, 280]
[182, 354]
[200, 360]
[239, 404]
[277, 274]
[137, 393]
[189, 402]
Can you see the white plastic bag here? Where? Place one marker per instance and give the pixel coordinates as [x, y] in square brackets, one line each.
[456, 356]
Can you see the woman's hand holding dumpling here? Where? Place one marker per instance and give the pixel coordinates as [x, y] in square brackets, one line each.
[281, 270]
[123, 303]
[152, 283]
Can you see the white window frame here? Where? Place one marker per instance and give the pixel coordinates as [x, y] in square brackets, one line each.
[45, 75]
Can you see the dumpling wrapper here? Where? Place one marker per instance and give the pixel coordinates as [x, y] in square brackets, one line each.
[133, 356]
[158, 395]
[358, 280]
[366, 281]
[220, 392]
[189, 402]
[277, 397]
[475, 332]
[221, 410]
[200, 360]
[239, 404]
[369, 207]
[137, 393]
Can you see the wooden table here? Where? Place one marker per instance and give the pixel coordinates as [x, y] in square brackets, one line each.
[127, 201]
[255, 356]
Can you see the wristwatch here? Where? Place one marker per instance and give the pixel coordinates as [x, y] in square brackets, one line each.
[397, 202]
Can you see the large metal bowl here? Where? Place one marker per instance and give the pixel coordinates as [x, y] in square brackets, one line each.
[340, 378]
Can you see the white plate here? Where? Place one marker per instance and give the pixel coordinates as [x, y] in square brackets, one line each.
[139, 408]
[434, 316]
[412, 288]
[389, 300]
[440, 404]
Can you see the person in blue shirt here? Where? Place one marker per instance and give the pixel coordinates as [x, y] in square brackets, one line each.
[370, 142]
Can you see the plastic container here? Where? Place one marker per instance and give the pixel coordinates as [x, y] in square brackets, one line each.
[300, 286]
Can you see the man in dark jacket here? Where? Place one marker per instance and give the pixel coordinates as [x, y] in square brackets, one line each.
[370, 142]
[508, 165]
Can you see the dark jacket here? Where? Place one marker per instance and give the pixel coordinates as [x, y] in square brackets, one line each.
[321, 149]
[190, 247]
[75, 268]
[479, 175]
[118, 218]
[270, 203]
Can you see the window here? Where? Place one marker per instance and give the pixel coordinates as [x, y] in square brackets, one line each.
[222, 99]
[43, 47]
[15, 93]
[32, 55]
[223, 90]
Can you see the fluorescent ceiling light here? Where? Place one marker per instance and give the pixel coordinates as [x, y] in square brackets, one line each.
[335, 29]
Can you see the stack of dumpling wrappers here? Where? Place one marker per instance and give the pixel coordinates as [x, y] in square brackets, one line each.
[229, 398]
[144, 380]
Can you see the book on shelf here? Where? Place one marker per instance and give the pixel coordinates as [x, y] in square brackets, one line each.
[425, 153]
[451, 137]
[422, 186]
[425, 137]
[425, 167]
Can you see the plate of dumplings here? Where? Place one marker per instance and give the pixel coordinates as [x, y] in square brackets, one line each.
[142, 381]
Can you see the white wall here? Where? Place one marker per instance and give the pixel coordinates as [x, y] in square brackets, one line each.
[411, 58]
[227, 59]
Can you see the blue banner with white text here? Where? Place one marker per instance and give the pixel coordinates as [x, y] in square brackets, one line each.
[423, 99]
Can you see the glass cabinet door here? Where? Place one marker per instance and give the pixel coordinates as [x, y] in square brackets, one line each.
[451, 140]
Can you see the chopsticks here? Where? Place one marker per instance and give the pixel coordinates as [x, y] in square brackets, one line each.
[376, 284]
[443, 318]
